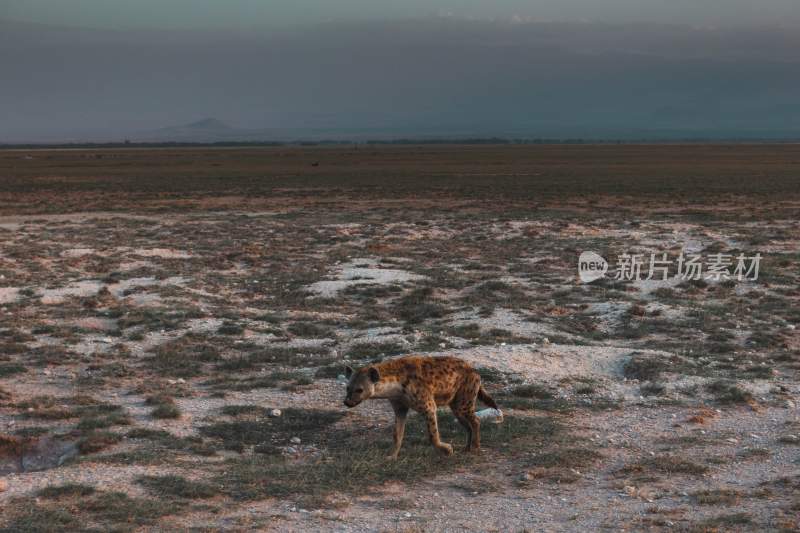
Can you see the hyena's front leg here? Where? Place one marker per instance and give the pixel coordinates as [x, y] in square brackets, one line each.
[400, 415]
[429, 413]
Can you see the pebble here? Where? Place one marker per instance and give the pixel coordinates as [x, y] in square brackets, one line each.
[295, 440]
[275, 413]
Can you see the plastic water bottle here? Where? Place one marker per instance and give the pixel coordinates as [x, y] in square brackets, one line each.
[493, 415]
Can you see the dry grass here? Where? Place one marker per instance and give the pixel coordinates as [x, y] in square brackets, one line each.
[180, 277]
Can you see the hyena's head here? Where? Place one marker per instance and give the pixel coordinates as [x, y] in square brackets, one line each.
[360, 385]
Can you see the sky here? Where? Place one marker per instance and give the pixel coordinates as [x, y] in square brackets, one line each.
[237, 14]
[108, 70]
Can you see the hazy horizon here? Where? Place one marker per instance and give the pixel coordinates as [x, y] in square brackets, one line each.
[362, 72]
[248, 14]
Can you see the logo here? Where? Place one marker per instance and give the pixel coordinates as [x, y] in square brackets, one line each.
[591, 267]
[636, 267]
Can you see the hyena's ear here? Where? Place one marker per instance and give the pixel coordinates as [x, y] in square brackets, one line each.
[348, 371]
[374, 375]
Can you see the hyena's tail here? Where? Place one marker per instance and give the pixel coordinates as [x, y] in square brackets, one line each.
[485, 398]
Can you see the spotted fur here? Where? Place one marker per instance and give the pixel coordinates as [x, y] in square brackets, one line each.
[423, 384]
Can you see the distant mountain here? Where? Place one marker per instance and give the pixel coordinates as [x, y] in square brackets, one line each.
[205, 130]
[215, 130]
[207, 124]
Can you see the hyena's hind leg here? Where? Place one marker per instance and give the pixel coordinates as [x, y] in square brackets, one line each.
[429, 412]
[463, 407]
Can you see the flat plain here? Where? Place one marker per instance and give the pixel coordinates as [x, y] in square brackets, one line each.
[173, 322]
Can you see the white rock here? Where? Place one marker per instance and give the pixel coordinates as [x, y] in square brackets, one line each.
[295, 440]
[275, 413]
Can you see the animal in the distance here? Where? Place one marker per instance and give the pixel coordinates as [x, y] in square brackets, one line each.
[423, 384]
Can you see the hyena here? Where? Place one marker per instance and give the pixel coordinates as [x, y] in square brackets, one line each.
[423, 384]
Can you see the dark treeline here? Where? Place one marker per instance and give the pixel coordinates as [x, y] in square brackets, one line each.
[408, 141]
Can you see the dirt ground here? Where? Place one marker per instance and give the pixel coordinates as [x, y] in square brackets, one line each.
[174, 324]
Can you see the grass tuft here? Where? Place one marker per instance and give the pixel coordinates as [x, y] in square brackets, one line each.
[177, 487]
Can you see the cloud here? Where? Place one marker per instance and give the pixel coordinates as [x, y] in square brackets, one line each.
[402, 78]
